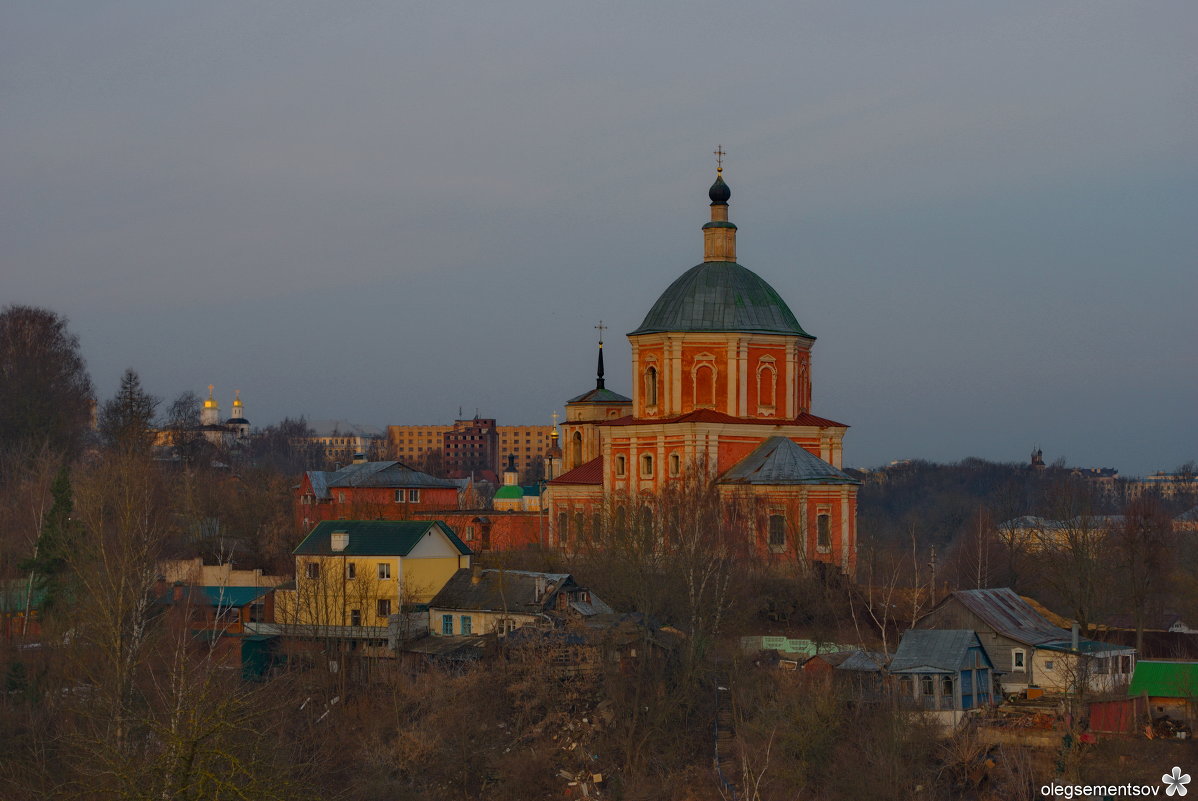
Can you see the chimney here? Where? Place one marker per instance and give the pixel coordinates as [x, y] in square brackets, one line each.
[476, 573]
[1076, 643]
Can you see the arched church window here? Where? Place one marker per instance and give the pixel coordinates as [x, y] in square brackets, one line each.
[651, 386]
[576, 449]
[675, 464]
[767, 385]
[823, 531]
[704, 380]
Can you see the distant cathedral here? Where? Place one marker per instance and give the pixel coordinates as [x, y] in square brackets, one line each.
[721, 383]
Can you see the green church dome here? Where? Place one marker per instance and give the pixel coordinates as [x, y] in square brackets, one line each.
[509, 492]
[720, 296]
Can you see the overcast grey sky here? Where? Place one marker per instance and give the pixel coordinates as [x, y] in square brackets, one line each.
[382, 211]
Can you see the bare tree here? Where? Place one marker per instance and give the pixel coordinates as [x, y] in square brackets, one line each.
[46, 395]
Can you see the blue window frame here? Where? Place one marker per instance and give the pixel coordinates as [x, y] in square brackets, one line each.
[465, 624]
[447, 624]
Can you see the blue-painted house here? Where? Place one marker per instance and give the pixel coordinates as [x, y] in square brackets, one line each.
[944, 671]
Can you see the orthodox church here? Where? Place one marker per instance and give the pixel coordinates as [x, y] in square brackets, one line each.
[231, 430]
[721, 393]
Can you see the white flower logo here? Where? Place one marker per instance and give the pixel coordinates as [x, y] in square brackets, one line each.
[1175, 782]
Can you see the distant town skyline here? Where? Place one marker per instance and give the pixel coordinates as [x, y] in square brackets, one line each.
[381, 214]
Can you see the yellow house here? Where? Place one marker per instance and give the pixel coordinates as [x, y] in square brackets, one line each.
[359, 573]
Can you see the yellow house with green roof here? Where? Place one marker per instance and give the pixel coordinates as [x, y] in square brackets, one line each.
[352, 576]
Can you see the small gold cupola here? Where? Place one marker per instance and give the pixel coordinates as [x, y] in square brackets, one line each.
[719, 235]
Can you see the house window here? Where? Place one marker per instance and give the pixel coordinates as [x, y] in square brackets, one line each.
[384, 607]
[466, 624]
[257, 612]
[313, 570]
[823, 531]
[469, 533]
[563, 527]
[675, 464]
[646, 466]
[1017, 660]
[946, 686]
[447, 625]
[620, 465]
[927, 686]
[413, 496]
[399, 496]
[355, 617]
[351, 571]
[1048, 665]
[384, 570]
[505, 626]
[340, 497]
[777, 531]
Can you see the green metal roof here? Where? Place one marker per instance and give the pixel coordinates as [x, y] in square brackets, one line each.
[509, 492]
[720, 296]
[373, 537]
[1165, 679]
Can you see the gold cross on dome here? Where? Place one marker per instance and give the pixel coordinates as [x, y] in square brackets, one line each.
[719, 154]
[601, 328]
[555, 416]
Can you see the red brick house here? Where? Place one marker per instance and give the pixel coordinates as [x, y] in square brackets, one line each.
[370, 491]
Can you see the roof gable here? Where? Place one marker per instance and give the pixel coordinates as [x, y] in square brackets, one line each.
[377, 537]
[1007, 614]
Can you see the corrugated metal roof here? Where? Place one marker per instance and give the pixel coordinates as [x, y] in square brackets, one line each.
[864, 661]
[720, 296]
[1009, 615]
[934, 651]
[514, 590]
[779, 460]
[1165, 679]
[374, 537]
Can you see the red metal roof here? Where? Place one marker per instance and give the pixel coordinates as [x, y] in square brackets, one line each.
[589, 473]
[712, 416]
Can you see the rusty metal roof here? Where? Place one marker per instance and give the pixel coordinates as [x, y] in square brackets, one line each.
[1010, 616]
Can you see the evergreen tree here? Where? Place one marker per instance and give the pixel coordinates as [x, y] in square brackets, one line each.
[127, 421]
[48, 566]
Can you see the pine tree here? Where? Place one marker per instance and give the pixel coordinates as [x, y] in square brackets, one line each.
[127, 421]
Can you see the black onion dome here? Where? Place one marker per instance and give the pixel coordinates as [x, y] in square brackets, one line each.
[719, 192]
